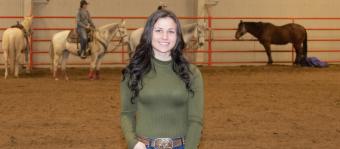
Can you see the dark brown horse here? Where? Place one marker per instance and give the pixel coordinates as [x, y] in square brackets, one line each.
[267, 34]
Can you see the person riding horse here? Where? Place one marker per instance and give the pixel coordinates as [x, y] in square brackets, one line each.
[84, 23]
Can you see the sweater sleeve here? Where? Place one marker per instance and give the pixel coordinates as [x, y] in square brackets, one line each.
[90, 20]
[128, 115]
[195, 111]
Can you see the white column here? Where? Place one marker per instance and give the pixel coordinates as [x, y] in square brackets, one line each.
[200, 10]
[27, 7]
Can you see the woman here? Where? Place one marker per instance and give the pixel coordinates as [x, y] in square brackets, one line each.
[84, 23]
[161, 93]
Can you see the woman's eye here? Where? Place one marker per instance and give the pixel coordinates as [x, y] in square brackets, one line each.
[172, 32]
[158, 31]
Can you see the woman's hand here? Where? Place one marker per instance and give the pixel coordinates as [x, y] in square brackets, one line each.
[139, 145]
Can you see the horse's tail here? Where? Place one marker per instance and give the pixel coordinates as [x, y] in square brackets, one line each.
[304, 46]
[8, 46]
[51, 52]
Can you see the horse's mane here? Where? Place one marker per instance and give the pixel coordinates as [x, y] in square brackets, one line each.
[255, 28]
[254, 24]
[107, 26]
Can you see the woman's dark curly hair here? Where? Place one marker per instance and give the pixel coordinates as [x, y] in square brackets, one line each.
[140, 63]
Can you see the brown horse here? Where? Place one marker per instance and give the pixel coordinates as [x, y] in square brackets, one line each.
[267, 34]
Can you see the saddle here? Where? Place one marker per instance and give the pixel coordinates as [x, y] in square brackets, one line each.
[18, 25]
[21, 27]
[73, 36]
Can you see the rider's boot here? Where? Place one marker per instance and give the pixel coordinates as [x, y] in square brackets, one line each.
[82, 53]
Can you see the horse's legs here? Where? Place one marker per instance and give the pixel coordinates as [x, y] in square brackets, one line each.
[55, 65]
[268, 51]
[26, 59]
[297, 47]
[98, 64]
[6, 63]
[94, 58]
[16, 64]
[63, 64]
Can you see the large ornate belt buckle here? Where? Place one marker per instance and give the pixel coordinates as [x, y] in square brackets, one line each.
[163, 143]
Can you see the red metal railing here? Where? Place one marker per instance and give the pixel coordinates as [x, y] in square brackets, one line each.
[210, 39]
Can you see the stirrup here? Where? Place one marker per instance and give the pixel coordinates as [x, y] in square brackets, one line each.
[83, 55]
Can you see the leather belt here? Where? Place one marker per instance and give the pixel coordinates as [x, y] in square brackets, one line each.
[162, 143]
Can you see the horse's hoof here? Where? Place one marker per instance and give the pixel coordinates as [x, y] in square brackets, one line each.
[90, 77]
[56, 79]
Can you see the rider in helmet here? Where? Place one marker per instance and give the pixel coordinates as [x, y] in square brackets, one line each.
[84, 23]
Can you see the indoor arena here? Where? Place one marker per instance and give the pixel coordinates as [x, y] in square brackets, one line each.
[270, 73]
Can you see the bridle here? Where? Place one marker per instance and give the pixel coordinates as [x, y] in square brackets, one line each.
[122, 34]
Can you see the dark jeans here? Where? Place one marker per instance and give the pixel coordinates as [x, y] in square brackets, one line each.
[180, 147]
[83, 38]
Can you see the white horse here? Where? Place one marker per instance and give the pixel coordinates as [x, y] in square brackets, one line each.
[189, 31]
[14, 43]
[60, 48]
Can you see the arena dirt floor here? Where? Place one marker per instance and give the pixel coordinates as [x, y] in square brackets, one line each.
[246, 107]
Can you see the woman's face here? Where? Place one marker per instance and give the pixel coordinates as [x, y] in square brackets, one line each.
[164, 36]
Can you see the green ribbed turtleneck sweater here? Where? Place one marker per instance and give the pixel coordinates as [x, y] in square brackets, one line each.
[164, 108]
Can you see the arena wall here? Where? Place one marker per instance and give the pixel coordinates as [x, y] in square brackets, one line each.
[233, 10]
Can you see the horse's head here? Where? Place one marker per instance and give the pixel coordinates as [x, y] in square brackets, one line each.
[201, 34]
[241, 30]
[123, 33]
[27, 24]
[194, 30]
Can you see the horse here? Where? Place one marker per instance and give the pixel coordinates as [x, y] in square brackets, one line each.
[267, 34]
[14, 43]
[60, 48]
[189, 31]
